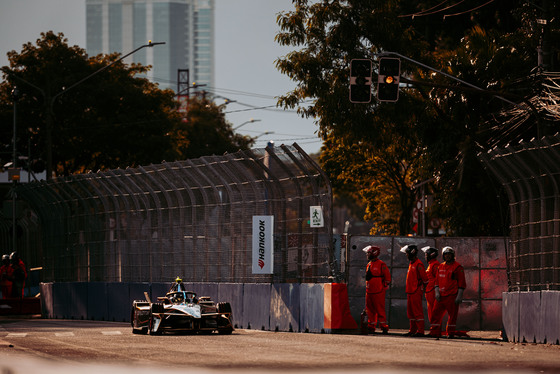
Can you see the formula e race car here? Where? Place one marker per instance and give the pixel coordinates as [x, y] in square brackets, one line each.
[180, 311]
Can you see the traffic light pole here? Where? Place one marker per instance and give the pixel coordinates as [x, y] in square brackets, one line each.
[471, 87]
[386, 54]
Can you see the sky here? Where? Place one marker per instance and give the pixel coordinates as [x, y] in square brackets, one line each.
[245, 60]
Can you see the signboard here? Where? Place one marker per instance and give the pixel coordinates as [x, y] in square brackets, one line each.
[316, 216]
[263, 244]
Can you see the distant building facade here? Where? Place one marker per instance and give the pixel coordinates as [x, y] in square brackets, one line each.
[186, 26]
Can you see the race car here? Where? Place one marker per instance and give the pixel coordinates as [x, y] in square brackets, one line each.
[180, 311]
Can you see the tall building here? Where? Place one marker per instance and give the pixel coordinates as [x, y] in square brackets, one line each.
[186, 26]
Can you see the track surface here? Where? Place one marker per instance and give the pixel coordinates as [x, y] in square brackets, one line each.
[59, 345]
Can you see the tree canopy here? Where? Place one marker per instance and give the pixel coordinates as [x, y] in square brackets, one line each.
[383, 152]
[116, 118]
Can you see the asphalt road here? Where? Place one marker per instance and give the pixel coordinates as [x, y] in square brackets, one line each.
[60, 346]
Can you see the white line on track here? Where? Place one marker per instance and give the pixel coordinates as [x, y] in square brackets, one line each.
[64, 334]
[17, 335]
[111, 332]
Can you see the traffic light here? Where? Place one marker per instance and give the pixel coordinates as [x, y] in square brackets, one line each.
[360, 81]
[388, 79]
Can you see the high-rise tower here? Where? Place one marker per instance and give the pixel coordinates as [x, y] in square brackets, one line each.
[186, 26]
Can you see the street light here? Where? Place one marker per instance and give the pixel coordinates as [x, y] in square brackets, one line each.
[15, 173]
[264, 133]
[246, 122]
[50, 100]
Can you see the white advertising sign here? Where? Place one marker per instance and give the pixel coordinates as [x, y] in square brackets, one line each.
[316, 216]
[263, 244]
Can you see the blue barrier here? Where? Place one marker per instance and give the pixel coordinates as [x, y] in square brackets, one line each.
[256, 306]
[282, 307]
[69, 300]
[97, 301]
[118, 309]
[233, 294]
[550, 326]
[529, 320]
[510, 315]
[532, 316]
[285, 307]
[47, 302]
[311, 316]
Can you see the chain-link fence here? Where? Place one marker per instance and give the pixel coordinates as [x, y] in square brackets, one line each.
[530, 173]
[187, 218]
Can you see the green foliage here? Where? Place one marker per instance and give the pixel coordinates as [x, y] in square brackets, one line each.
[116, 118]
[380, 151]
[208, 132]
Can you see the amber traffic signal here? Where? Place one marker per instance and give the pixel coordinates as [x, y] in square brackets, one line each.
[388, 79]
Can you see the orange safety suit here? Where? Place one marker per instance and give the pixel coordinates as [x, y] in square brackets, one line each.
[19, 277]
[416, 279]
[451, 277]
[431, 272]
[376, 283]
[6, 275]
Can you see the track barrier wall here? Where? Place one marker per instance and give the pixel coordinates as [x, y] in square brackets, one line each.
[272, 307]
[532, 317]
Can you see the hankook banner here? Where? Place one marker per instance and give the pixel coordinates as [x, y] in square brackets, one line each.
[263, 244]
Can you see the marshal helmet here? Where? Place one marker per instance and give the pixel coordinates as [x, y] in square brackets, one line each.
[430, 252]
[446, 250]
[373, 249]
[410, 249]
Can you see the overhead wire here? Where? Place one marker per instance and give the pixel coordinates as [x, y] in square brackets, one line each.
[468, 11]
[428, 12]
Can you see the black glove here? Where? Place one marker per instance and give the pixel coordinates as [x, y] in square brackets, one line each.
[368, 275]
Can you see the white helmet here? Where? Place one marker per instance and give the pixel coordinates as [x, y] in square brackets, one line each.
[430, 252]
[447, 250]
[373, 249]
[410, 249]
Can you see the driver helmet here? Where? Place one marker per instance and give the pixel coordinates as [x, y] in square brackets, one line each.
[373, 249]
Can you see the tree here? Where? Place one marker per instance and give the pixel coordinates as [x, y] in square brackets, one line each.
[442, 126]
[207, 132]
[115, 119]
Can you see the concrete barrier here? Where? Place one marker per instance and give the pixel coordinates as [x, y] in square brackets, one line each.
[233, 294]
[70, 300]
[337, 309]
[510, 315]
[47, 302]
[312, 305]
[97, 301]
[285, 307]
[550, 326]
[118, 309]
[532, 317]
[256, 306]
[529, 318]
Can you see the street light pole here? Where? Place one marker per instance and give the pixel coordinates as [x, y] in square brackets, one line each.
[246, 122]
[15, 97]
[50, 111]
[49, 101]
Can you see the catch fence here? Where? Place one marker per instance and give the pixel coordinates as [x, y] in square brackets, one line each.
[190, 218]
[530, 173]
